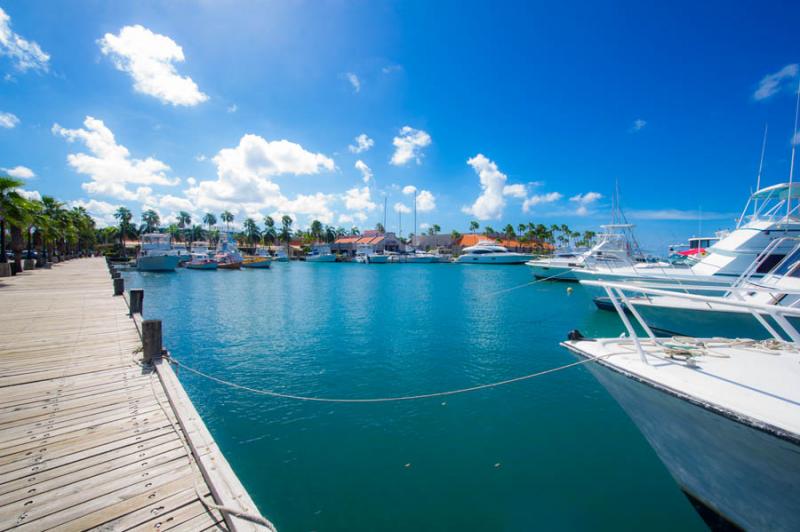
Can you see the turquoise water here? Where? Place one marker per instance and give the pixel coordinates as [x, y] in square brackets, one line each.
[553, 452]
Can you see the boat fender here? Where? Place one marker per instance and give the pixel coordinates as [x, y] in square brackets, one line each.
[569, 290]
[575, 335]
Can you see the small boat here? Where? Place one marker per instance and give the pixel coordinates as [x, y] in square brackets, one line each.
[489, 252]
[723, 415]
[414, 257]
[280, 255]
[256, 262]
[201, 261]
[183, 252]
[366, 254]
[321, 253]
[227, 255]
[156, 254]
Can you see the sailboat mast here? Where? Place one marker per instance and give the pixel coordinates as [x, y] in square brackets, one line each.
[415, 218]
[794, 150]
[384, 213]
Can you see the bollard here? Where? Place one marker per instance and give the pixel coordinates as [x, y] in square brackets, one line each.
[115, 274]
[119, 286]
[136, 300]
[151, 340]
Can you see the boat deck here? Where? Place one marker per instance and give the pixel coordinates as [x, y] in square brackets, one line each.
[90, 438]
[756, 383]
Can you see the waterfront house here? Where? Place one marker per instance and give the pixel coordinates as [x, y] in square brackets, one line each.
[381, 242]
[440, 241]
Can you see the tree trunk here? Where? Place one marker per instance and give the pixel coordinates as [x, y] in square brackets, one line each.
[17, 244]
[3, 258]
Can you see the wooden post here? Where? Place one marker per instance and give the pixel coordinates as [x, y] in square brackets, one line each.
[151, 340]
[119, 286]
[136, 300]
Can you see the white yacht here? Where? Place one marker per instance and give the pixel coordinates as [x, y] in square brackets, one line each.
[774, 216]
[723, 415]
[280, 255]
[414, 257]
[490, 252]
[156, 254]
[672, 314]
[616, 247]
[321, 253]
[366, 254]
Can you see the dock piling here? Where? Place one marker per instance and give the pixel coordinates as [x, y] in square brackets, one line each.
[151, 340]
[119, 286]
[136, 301]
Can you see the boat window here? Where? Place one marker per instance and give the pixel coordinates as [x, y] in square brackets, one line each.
[770, 263]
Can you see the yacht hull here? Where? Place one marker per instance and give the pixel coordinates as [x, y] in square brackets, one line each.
[655, 275]
[201, 266]
[554, 273]
[489, 258]
[746, 475]
[257, 264]
[157, 263]
[321, 258]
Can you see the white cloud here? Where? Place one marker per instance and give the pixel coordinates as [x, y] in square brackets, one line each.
[490, 203]
[538, 199]
[233, 108]
[796, 139]
[200, 158]
[363, 143]
[20, 172]
[426, 201]
[150, 60]
[110, 166]
[408, 145]
[515, 191]
[638, 125]
[388, 69]
[399, 207]
[771, 83]
[191, 181]
[584, 200]
[424, 225]
[102, 212]
[354, 81]
[358, 199]
[30, 194]
[8, 120]
[409, 189]
[243, 179]
[366, 172]
[23, 53]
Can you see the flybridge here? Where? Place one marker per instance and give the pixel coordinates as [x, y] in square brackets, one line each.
[773, 204]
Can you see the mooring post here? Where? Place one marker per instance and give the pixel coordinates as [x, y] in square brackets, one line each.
[115, 274]
[151, 340]
[136, 300]
[119, 286]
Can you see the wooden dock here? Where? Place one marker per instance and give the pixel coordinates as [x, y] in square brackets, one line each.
[89, 437]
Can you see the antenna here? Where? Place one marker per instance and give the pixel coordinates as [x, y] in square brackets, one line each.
[794, 149]
[760, 167]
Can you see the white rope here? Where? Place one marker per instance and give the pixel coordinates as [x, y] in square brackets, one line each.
[504, 290]
[272, 393]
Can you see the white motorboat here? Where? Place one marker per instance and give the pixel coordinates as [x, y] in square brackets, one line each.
[201, 261]
[321, 253]
[722, 415]
[414, 257]
[366, 254]
[280, 255]
[489, 252]
[774, 216]
[182, 251]
[673, 314]
[156, 254]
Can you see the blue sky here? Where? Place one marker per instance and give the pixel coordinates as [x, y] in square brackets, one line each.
[506, 113]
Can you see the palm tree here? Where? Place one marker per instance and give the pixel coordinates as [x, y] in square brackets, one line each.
[379, 228]
[488, 231]
[251, 231]
[151, 221]
[522, 228]
[330, 234]
[509, 232]
[455, 235]
[269, 234]
[197, 233]
[14, 211]
[48, 226]
[354, 231]
[210, 220]
[184, 222]
[436, 229]
[473, 226]
[173, 231]
[227, 217]
[124, 216]
[315, 231]
[286, 231]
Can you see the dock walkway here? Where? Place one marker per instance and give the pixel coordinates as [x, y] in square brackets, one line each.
[89, 437]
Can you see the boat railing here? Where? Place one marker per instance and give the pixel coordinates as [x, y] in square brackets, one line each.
[617, 295]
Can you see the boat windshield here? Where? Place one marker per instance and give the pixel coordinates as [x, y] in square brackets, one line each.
[156, 241]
